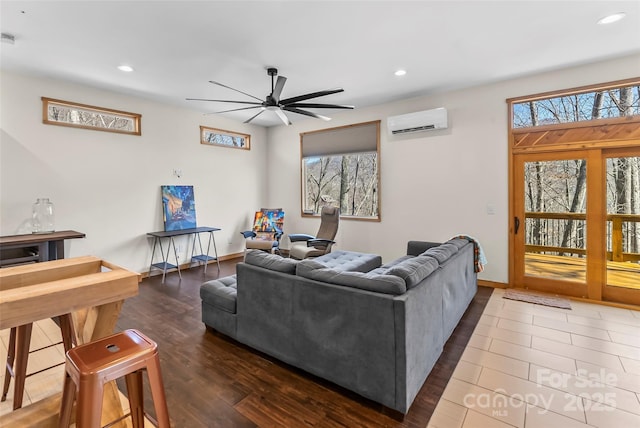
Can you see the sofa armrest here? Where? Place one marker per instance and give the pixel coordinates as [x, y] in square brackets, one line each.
[297, 237]
[248, 234]
[415, 248]
[319, 243]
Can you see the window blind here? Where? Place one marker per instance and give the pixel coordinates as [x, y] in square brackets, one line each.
[338, 141]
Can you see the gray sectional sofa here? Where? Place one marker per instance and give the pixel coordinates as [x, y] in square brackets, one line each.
[376, 330]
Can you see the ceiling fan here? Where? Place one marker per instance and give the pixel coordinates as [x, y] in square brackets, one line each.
[277, 105]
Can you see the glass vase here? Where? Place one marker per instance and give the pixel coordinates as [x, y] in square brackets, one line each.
[43, 216]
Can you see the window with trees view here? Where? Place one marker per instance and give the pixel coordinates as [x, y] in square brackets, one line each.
[578, 187]
[340, 167]
[578, 107]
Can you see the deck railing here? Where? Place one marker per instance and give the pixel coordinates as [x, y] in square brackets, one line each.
[565, 234]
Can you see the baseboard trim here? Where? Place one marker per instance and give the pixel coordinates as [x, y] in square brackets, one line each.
[492, 284]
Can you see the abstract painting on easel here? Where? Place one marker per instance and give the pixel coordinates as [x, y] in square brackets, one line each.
[179, 207]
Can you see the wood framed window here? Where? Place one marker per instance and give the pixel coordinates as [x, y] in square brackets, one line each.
[574, 194]
[224, 138]
[75, 115]
[341, 167]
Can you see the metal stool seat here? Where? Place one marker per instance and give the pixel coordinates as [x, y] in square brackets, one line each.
[90, 366]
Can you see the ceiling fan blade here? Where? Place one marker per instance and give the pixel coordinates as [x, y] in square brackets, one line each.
[235, 109]
[282, 116]
[306, 113]
[234, 89]
[278, 88]
[254, 116]
[311, 95]
[312, 105]
[226, 101]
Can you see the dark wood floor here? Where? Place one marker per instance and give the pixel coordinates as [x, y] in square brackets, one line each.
[213, 381]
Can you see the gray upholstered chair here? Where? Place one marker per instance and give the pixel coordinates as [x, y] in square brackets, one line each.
[321, 243]
[266, 232]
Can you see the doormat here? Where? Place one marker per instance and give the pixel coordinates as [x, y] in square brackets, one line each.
[538, 299]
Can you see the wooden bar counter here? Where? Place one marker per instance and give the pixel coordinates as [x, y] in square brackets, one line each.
[90, 289]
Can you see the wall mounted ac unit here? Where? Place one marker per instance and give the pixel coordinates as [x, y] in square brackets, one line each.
[418, 121]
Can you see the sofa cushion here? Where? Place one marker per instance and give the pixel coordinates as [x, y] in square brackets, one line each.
[221, 293]
[395, 262]
[413, 270]
[388, 284]
[382, 270]
[271, 261]
[305, 267]
[441, 253]
[349, 261]
[458, 242]
[415, 248]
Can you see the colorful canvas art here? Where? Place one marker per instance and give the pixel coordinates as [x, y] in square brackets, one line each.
[268, 222]
[179, 207]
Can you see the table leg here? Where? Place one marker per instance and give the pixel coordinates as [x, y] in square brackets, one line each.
[56, 250]
[215, 250]
[153, 253]
[175, 252]
[23, 340]
[206, 259]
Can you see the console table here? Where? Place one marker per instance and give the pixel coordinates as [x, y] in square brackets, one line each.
[15, 249]
[200, 257]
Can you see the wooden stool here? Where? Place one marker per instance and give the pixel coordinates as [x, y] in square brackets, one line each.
[90, 366]
[18, 356]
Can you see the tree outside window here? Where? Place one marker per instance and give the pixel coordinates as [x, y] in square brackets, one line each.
[340, 167]
[348, 181]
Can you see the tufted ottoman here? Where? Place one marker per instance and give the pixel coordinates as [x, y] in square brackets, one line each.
[219, 304]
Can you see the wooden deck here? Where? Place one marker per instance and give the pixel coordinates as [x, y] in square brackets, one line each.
[619, 274]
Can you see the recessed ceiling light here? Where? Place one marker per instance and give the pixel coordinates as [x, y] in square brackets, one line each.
[400, 72]
[126, 68]
[610, 19]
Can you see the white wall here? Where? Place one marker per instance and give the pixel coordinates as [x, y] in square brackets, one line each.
[107, 185]
[434, 185]
[437, 184]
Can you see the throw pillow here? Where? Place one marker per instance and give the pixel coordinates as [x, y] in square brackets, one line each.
[271, 261]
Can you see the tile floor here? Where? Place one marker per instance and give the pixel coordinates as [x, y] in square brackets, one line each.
[531, 366]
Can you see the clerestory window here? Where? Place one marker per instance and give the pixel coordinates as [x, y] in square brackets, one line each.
[617, 101]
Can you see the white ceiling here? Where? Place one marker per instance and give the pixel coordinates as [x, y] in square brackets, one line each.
[176, 47]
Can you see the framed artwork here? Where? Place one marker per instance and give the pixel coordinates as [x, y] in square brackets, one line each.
[268, 221]
[220, 137]
[66, 113]
[179, 207]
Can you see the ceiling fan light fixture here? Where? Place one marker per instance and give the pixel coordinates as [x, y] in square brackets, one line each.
[610, 19]
[274, 103]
